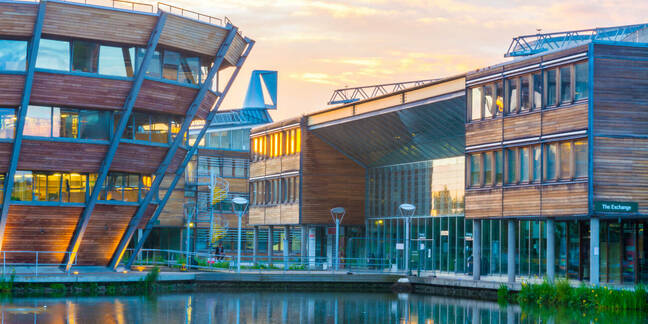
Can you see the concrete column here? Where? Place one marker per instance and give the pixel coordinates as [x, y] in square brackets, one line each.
[255, 244]
[304, 243]
[551, 250]
[270, 230]
[286, 246]
[476, 249]
[511, 251]
[594, 250]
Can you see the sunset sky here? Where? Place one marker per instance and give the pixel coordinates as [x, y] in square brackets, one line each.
[319, 46]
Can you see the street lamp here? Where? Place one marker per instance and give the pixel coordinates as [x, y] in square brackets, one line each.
[243, 203]
[337, 214]
[189, 210]
[407, 211]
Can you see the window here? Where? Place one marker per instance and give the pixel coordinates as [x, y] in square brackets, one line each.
[7, 123]
[117, 61]
[142, 126]
[565, 84]
[524, 164]
[67, 123]
[488, 101]
[512, 95]
[510, 166]
[537, 90]
[565, 160]
[189, 70]
[23, 183]
[94, 124]
[499, 95]
[272, 145]
[85, 56]
[73, 187]
[499, 167]
[475, 169]
[54, 55]
[50, 186]
[159, 128]
[537, 162]
[525, 100]
[488, 169]
[121, 186]
[13, 55]
[154, 68]
[581, 89]
[171, 65]
[475, 103]
[38, 121]
[551, 154]
[580, 157]
[551, 87]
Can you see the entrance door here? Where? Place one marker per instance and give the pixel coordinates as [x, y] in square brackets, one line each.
[629, 253]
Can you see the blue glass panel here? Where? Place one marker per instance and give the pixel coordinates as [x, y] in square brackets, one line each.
[118, 61]
[38, 121]
[54, 55]
[13, 55]
[7, 122]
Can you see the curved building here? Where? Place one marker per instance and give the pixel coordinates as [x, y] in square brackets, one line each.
[95, 105]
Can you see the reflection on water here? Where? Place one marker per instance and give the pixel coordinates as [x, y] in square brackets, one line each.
[279, 307]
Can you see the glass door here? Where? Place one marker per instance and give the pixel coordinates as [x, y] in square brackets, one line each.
[629, 252]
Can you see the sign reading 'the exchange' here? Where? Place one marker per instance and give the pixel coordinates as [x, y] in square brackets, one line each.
[615, 206]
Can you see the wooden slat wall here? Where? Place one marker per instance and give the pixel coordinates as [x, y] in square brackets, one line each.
[5, 155]
[483, 203]
[621, 170]
[17, 19]
[238, 184]
[257, 215]
[137, 158]
[273, 215]
[273, 166]
[523, 201]
[184, 33]
[173, 212]
[206, 105]
[257, 169]
[78, 91]
[564, 119]
[12, 88]
[527, 125]
[488, 131]
[290, 163]
[564, 200]
[290, 214]
[70, 20]
[61, 156]
[329, 179]
[164, 97]
[236, 49]
[105, 229]
[39, 228]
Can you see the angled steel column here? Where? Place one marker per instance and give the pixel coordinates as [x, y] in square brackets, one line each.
[180, 171]
[75, 243]
[161, 171]
[22, 112]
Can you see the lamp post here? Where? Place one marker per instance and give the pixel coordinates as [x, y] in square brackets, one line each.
[243, 203]
[189, 209]
[337, 214]
[407, 211]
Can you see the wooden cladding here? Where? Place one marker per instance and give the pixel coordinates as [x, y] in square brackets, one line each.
[621, 170]
[70, 20]
[518, 126]
[564, 119]
[164, 97]
[105, 229]
[61, 156]
[489, 131]
[198, 36]
[12, 89]
[330, 179]
[39, 228]
[78, 91]
[5, 155]
[620, 90]
[236, 49]
[206, 105]
[568, 199]
[144, 159]
[17, 19]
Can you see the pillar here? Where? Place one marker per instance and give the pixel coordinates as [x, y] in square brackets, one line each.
[551, 250]
[594, 250]
[286, 246]
[139, 237]
[476, 249]
[304, 242]
[270, 245]
[255, 243]
[511, 251]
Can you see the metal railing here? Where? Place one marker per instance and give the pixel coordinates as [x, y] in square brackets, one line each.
[33, 262]
[203, 261]
[192, 14]
[117, 4]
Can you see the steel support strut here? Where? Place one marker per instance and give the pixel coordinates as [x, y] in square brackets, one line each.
[180, 171]
[75, 243]
[161, 171]
[21, 113]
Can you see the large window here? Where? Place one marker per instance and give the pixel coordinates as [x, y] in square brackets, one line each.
[275, 191]
[120, 186]
[119, 61]
[67, 123]
[53, 55]
[13, 55]
[7, 123]
[157, 128]
[581, 88]
[85, 56]
[276, 144]
[176, 66]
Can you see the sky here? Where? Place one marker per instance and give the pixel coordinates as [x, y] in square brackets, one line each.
[320, 46]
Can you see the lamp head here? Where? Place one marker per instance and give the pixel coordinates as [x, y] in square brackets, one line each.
[240, 201]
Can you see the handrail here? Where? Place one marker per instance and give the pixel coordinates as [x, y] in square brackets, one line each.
[117, 4]
[192, 14]
[37, 260]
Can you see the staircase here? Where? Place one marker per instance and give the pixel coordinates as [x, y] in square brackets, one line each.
[211, 225]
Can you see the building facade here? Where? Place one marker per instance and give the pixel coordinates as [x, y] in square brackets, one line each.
[96, 104]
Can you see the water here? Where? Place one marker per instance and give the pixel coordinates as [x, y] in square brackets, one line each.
[282, 307]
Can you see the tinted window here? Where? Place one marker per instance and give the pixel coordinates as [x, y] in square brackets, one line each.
[475, 103]
[499, 167]
[171, 65]
[159, 128]
[13, 55]
[525, 101]
[189, 69]
[488, 101]
[53, 54]
[550, 171]
[511, 166]
[155, 66]
[524, 164]
[38, 121]
[537, 90]
[551, 87]
[116, 61]
[474, 169]
[94, 124]
[7, 122]
[565, 160]
[512, 95]
[537, 163]
[581, 156]
[565, 84]
[581, 91]
[488, 169]
[85, 56]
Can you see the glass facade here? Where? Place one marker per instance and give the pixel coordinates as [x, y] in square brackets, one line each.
[282, 143]
[13, 55]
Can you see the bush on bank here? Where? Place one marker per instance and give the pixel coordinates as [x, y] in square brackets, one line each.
[561, 293]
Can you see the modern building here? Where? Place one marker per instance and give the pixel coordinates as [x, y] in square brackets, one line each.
[96, 104]
[530, 168]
